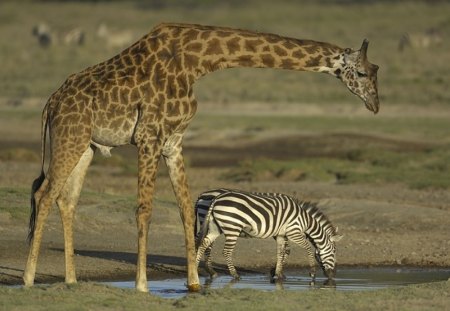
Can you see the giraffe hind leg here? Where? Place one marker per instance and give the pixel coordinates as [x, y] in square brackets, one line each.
[60, 168]
[67, 202]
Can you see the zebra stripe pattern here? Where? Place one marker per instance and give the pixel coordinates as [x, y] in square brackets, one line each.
[261, 215]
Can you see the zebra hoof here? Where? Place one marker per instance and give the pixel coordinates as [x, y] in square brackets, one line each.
[278, 278]
[272, 273]
[213, 275]
[193, 288]
[236, 277]
[330, 283]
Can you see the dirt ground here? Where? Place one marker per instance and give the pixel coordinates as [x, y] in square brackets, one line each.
[382, 225]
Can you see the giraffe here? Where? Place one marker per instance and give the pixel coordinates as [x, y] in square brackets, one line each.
[144, 97]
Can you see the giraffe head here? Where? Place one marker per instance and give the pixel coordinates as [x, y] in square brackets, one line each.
[360, 76]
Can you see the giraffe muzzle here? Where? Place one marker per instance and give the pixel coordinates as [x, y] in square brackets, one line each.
[373, 104]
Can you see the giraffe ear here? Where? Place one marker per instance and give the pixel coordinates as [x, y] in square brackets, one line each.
[350, 56]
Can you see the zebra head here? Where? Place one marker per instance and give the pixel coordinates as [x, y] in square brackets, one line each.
[326, 253]
[323, 236]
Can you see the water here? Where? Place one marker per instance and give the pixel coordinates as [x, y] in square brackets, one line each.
[348, 279]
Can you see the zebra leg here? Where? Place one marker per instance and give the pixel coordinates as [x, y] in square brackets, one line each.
[208, 262]
[300, 240]
[206, 243]
[230, 243]
[281, 249]
[286, 252]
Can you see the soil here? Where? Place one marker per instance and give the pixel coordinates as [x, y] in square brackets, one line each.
[382, 225]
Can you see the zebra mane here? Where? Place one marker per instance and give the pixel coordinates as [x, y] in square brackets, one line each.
[312, 209]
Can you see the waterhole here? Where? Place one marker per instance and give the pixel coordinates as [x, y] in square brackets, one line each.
[348, 279]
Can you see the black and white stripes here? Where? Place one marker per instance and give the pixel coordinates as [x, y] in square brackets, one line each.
[261, 215]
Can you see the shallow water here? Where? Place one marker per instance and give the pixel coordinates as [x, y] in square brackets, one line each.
[348, 279]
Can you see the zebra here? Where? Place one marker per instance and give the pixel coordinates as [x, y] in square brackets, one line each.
[202, 206]
[238, 213]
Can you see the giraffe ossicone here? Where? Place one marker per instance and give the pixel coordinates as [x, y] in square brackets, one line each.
[144, 96]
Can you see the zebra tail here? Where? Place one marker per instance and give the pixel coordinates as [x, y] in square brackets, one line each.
[204, 229]
[38, 181]
[196, 216]
[196, 225]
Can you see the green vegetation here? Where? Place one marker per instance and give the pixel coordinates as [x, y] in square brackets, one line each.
[432, 296]
[15, 202]
[422, 169]
[411, 128]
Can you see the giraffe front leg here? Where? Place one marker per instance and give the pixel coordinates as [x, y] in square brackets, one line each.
[148, 158]
[174, 160]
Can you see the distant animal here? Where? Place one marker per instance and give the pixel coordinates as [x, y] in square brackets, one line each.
[423, 40]
[75, 36]
[115, 39]
[261, 215]
[47, 36]
[43, 34]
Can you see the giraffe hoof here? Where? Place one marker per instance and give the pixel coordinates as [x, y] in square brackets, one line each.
[193, 288]
[27, 282]
[142, 289]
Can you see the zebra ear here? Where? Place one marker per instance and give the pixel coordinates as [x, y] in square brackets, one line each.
[337, 238]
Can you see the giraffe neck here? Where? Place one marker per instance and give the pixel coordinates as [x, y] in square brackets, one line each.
[207, 49]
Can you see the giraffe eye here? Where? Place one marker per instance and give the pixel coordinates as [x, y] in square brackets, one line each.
[361, 74]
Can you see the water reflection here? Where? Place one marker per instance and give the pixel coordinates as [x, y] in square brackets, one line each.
[266, 283]
[346, 280]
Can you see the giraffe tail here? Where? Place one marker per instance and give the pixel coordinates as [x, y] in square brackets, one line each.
[38, 181]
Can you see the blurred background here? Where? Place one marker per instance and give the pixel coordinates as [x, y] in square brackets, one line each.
[275, 112]
[42, 42]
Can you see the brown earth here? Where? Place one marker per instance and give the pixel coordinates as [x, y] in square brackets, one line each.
[382, 225]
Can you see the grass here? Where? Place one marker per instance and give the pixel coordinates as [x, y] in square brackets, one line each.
[414, 128]
[418, 170]
[432, 296]
[15, 202]
[414, 150]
